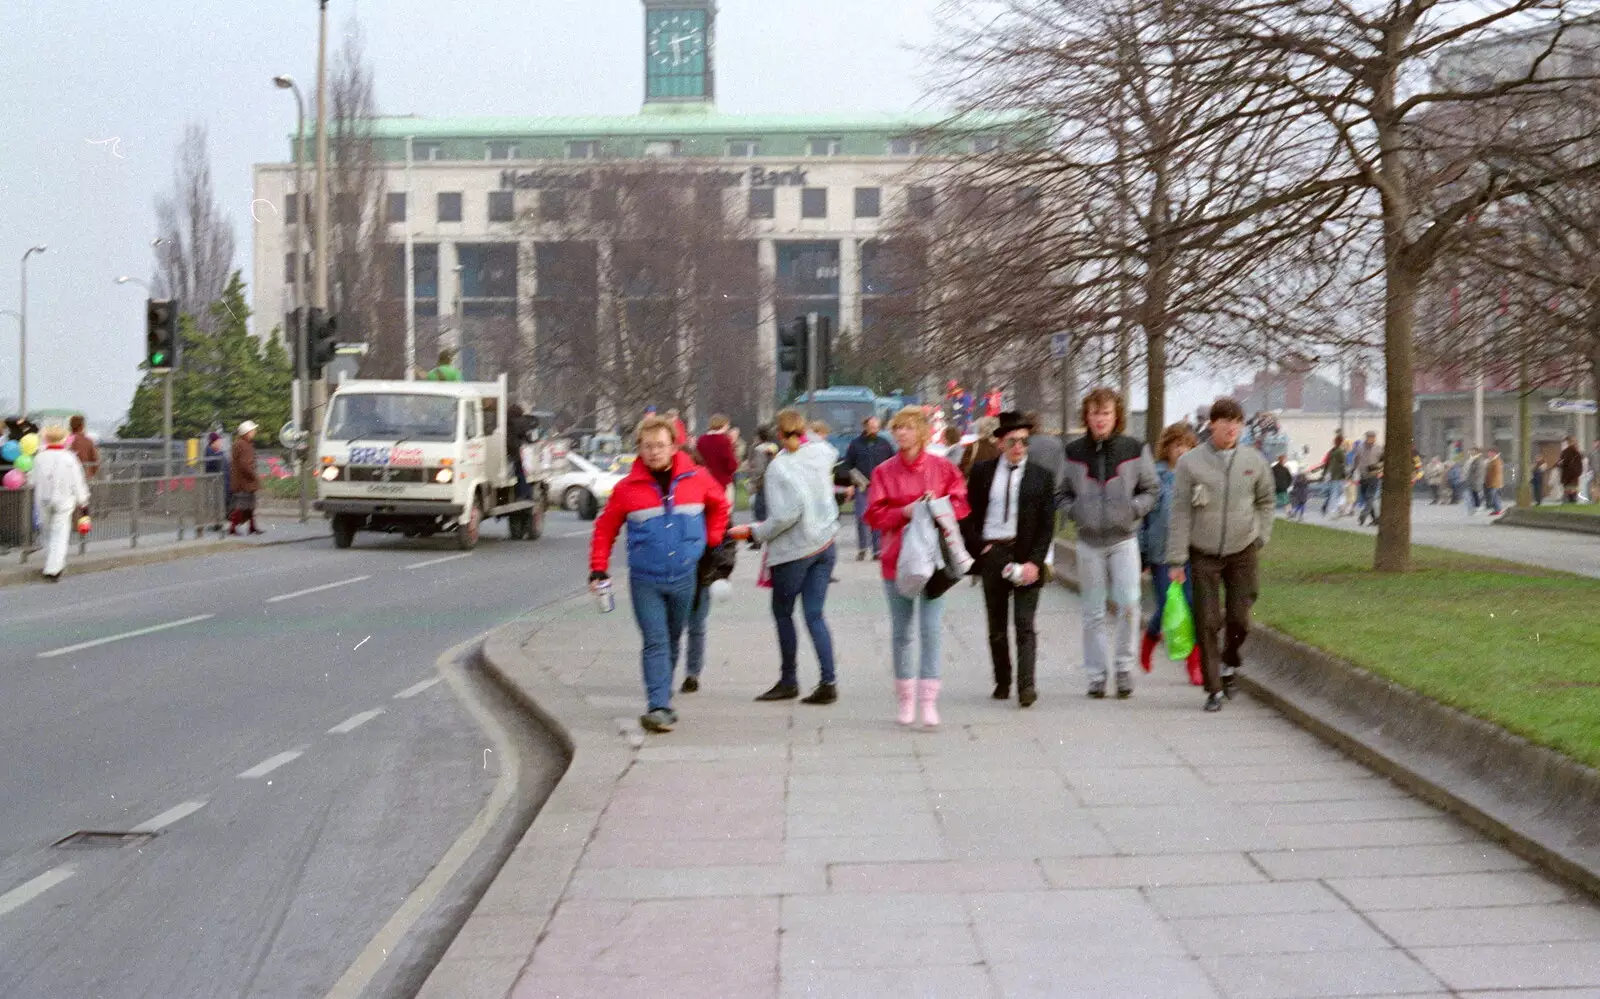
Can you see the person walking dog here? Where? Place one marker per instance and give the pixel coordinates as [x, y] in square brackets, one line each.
[1009, 533]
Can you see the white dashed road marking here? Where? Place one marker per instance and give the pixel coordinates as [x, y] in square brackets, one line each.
[417, 688]
[68, 650]
[21, 895]
[354, 722]
[169, 816]
[316, 589]
[272, 763]
[438, 561]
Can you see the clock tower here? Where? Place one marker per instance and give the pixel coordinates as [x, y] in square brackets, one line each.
[679, 42]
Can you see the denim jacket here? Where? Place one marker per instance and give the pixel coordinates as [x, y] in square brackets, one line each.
[1153, 531]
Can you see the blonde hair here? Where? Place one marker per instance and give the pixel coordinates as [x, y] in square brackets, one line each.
[915, 418]
[820, 428]
[650, 425]
[789, 421]
[55, 433]
[718, 422]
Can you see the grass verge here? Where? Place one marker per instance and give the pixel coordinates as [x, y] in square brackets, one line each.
[1575, 509]
[1511, 644]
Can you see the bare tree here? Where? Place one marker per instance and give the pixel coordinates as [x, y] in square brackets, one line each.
[194, 243]
[648, 297]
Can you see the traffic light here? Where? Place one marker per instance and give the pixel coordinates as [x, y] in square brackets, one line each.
[794, 352]
[824, 350]
[161, 347]
[322, 341]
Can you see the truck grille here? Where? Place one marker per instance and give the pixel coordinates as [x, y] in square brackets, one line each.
[385, 474]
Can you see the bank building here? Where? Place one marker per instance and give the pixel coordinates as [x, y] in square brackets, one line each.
[612, 262]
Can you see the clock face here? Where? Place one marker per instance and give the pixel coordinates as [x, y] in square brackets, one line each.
[677, 40]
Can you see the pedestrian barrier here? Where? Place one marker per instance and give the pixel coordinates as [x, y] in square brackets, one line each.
[17, 529]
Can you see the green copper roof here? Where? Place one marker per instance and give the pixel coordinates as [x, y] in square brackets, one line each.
[679, 122]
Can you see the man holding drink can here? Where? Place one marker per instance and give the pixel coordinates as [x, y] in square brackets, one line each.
[674, 510]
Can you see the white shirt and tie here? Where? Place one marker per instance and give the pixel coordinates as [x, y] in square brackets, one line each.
[1000, 520]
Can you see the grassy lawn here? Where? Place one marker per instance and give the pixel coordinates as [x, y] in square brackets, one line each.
[1579, 509]
[1511, 644]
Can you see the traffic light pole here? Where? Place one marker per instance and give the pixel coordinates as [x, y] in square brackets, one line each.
[166, 426]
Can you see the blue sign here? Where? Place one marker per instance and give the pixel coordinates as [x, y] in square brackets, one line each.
[1060, 345]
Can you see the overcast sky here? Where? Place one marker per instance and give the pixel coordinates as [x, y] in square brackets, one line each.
[78, 72]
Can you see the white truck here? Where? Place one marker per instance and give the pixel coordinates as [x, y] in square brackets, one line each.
[423, 457]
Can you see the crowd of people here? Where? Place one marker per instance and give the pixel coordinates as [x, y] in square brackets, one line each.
[1194, 513]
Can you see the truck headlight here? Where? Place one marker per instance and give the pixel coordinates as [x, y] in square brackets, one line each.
[444, 475]
[330, 473]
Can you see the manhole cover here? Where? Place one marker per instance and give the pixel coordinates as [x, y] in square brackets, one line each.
[92, 839]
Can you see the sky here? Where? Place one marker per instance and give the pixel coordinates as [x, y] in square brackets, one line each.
[78, 73]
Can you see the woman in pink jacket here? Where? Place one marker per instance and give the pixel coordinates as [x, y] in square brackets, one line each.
[897, 484]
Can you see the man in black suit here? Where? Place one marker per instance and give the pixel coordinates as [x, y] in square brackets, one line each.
[1011, 526]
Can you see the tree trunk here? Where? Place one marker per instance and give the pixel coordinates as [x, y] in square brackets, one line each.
[1393, 552]
[1154, 321]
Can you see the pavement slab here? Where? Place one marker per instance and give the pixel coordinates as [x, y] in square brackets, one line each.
[1127, 849]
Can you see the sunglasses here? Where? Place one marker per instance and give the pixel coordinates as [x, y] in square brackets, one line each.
[1014, 441]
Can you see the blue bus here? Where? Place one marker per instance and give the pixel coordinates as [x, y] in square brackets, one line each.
[842, 408]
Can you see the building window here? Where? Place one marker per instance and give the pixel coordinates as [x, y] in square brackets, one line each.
[823, 147]
[291, 209]
[288, 268]
[763, 203]
[552, 205]
[585, 150]
[744, 147]
[920, 202]
[427, 150]
[347, 209]
[662, 149]
[814, 202]
[985, 144]
[502, 206]
[502, 150]
[394, 206]
[868, 200]
[450, 206]
[905, 147]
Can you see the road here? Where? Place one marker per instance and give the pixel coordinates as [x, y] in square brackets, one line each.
[278, 714]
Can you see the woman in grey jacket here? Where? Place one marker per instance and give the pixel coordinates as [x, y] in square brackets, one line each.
[798, 534]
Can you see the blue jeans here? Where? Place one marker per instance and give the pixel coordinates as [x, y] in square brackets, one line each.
[864, 534]
[758, 505]
[662, 609]
[900, 611]
[696, 660]
[1491, 499]
[1160, 579]
[806, 579]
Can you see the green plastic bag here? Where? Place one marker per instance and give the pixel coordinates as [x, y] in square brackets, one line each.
[1177, 623]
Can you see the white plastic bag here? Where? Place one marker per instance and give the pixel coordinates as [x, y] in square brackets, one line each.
[944, 516]
[919, 554]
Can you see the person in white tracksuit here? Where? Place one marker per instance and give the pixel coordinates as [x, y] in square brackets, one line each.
[59, 491]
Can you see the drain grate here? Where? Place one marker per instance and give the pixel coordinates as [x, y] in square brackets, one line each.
[95, 839]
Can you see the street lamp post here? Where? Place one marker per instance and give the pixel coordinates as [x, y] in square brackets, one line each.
[166, 396]
[302, 388]
[22, 340]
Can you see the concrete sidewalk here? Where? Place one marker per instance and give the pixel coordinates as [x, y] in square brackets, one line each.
[1452, 527]
[117, 553]
[1109, 849]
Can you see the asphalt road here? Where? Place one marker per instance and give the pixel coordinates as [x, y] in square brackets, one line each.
[278, 714]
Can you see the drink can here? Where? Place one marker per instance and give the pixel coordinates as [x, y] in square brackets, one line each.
[604, 598]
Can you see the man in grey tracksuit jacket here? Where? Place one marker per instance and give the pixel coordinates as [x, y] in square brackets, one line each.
[1222, 510]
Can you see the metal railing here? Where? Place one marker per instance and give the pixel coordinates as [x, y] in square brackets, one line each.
[125, 509]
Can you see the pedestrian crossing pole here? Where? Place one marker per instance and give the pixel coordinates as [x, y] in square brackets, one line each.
[166, 426]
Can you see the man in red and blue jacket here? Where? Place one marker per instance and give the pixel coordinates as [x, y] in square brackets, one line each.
[674, 510]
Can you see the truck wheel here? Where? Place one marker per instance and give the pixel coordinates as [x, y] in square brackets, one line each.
[536, 517]
[467, 530]
[588, 507]
[517, 524]
[344, 530]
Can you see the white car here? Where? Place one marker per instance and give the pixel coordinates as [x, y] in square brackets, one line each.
[577, 484]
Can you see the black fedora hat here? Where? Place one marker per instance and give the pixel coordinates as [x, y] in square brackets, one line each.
[1012, 420]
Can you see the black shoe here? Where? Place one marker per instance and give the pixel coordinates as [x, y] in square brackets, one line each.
[826, 693]
[1097, 688]
[781, 692]
[861, 556]
[1214, 702]
[691, 684]
[1026, 696]
[1002, 692]
[1124, 686]
[658, 720]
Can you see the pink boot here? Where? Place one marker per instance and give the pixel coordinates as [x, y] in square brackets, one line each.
[906, 691]
[930, 703]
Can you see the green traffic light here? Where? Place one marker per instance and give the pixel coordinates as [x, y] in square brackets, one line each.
[158, 359]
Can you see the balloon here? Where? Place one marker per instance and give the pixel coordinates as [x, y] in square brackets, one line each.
[30, 443]
[14, 480]
[24, 463]
[85, 525]
[9, 450]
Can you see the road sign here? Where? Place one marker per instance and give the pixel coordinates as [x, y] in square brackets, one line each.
[1586, 406]
[1060, 345]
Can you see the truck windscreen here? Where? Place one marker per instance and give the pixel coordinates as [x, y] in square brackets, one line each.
[391, 417]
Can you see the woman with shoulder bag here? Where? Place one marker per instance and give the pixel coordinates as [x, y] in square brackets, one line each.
[911, 476]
